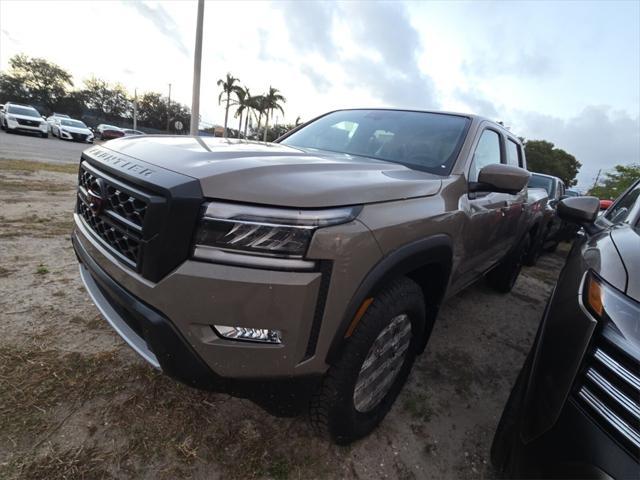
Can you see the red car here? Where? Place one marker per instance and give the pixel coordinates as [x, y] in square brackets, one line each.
[604, 204]
[107, 132]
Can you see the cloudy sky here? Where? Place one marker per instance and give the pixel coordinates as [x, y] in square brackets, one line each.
[566, 72]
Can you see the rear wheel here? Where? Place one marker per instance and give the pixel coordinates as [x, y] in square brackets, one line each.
[504, 276]
[360, 388]
[535, 250]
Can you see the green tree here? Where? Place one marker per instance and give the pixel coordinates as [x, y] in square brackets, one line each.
[543, 157]
[230, 85]
[616, 181]
[243, 105]
[34, 80]
[152, 111]
[259, 107]
[273, 101]
[108, 100]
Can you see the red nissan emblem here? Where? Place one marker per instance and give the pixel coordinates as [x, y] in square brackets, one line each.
[95, 198]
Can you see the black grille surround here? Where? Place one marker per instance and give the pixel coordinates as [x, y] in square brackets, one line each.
[79, 137]
[608, 389]
[148, 214]
[30, 123]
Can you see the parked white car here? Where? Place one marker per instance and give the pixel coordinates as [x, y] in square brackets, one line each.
[51, 120]
[70, 129]
[15, 117]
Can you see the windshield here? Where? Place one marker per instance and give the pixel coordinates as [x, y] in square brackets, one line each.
[73, 123]
[26, 111]
[424, 141]
[537, 181]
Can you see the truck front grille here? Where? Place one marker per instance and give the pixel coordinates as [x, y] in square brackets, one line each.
[119, 221]
[117, 238]
[609, 391]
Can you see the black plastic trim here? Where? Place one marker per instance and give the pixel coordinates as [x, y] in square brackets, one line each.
[174, 205]
[326, 268]
[436, 250]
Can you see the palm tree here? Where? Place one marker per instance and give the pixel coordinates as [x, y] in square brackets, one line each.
[243, 103]
[258, 105]
[272, 102]
[229, 86]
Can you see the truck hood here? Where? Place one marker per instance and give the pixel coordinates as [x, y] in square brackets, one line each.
[280, 175]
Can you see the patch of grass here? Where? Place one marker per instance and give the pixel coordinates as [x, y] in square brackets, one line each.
[36, 382]
[42, 269]
[77, 462]
[34, 226]
[279, 469]
[417, 404]
[158, 423]
[31, 166]
[26, 184]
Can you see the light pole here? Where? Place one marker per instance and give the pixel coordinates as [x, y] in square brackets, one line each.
[135, 109]
[197, 61]
[168, 108]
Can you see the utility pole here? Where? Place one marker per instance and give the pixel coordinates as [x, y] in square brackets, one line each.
[197, 61]
[135, 109]
[168, 108]
[595, 184]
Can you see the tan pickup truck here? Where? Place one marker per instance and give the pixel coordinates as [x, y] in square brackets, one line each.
[305, 273]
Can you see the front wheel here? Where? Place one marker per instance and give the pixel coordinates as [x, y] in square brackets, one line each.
[360, 388]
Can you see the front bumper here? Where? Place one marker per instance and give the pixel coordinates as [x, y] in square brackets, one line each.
[86, 138]
[165, 346]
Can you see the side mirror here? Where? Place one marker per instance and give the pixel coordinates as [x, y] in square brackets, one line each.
[580, 210]
[501, 178]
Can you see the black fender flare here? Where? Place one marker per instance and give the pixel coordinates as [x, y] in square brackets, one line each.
[436, 249]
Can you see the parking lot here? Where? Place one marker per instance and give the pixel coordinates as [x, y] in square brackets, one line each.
[78, 403]
[33, 147]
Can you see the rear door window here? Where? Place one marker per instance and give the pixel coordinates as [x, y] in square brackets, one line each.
[513, 153]
[487, 152]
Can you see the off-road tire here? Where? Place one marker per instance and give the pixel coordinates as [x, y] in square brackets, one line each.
[534, 252]
[552, 248]
[503, 277]
[332, 408]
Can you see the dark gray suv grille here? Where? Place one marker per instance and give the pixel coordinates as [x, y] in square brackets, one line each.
[610, 391]
[119, 222]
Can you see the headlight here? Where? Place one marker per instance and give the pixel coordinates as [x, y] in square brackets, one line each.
[618, 312]
[264, 231]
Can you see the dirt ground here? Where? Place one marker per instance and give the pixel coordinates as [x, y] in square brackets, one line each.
[76, 402]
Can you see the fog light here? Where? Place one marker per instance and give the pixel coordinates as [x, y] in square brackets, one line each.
[249, 334]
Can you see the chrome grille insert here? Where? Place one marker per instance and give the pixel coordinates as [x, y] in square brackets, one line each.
[610, 391]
